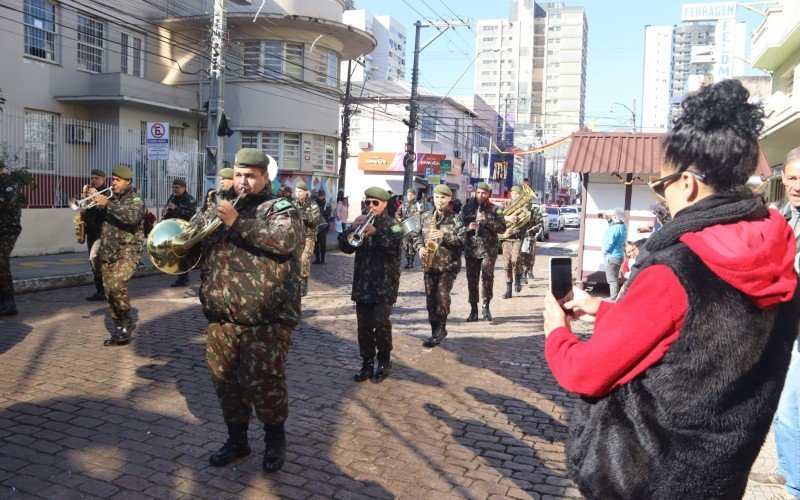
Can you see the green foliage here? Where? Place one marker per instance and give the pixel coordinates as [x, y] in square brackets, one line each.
[20, 175]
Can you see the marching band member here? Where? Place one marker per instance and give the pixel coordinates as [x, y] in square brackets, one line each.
[529, 258]
[407, 210]
[226, 190]
[93, 224]
[309, 212]
[511, 249]
[181, 205]
[442, 265]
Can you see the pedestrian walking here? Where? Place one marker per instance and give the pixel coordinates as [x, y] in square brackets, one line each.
[342, 214]
[251, 297]
[681, 377]
[439, 243]
[121, 240]
[613, 240]
[10, 227]
[376, 279]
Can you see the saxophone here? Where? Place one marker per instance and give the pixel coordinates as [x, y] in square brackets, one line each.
[80, 224]
[432, 245]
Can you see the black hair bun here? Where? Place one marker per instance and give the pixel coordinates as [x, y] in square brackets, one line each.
[724, 105]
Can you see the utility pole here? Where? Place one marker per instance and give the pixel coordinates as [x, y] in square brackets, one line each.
[413, 105]
[345, 129]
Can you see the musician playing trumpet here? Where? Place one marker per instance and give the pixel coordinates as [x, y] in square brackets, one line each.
[92, 218]
[376, 278]
[439, 244]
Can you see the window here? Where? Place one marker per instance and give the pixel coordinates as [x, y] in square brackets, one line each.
[283, 146]
[333, 69]
[40, 140]
[40, 29]
[330, 154]
[290, 152]
[90, 44]
[132, 52]
[318, 152]
[427, 130]
[273, 58]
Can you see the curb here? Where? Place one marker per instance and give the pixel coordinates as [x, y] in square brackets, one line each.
[70, 280]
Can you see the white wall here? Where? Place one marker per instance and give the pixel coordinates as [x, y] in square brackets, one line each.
[47, 231]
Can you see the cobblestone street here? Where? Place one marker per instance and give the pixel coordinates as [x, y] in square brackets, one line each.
[478, 417]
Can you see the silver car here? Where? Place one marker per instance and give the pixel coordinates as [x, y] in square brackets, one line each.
[556, 218]
[572, 216]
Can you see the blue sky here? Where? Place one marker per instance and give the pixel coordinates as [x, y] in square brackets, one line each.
[615, 47]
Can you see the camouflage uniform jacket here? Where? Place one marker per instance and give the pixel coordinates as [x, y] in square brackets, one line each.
[123, 228]
[407, 210]
[10, 211]
[185, 207]
[448, 256]
[309, 212]
[536, 218]
[482, 242]
[251, 271]
[376, 275]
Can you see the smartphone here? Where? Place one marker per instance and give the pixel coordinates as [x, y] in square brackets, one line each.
[561, 278]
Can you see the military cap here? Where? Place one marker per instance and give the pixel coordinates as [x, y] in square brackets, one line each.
[225, 173]
[320, 191]
[123, 172]
[179, 182]
[377, 193]
[483, 186]
[98, 172]
[516, 189]
[251, 157]
[302, 186]
[443, 189]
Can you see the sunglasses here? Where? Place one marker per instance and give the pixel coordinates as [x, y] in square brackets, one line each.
[658, 185]
[374, 203]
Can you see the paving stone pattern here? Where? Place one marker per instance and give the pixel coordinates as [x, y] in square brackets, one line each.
[478, 417]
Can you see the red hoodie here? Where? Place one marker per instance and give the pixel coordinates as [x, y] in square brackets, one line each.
[756, 258]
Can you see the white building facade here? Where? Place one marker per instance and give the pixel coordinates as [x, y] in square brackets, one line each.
[388, 60]
[658, 75]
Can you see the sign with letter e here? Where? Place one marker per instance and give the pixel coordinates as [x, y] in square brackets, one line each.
[158, 140]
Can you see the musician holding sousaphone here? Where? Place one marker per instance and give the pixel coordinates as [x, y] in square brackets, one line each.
[121, 239]
[376, 240]
[518, 217]
[439, 244]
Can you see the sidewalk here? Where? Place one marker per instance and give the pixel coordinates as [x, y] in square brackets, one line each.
[48, 272]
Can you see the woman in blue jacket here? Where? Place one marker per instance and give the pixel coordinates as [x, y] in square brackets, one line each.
[613, 241]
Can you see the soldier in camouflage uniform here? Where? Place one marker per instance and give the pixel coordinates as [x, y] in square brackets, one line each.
[376, 278]
[181, 205]
[407, 210]
[226, 191]
[120, 249]
[528, 258]
[484, 222]
[10, 227]
[443, 227]
[250, 293]
[309, 212]
[512, 245]
[93, 223]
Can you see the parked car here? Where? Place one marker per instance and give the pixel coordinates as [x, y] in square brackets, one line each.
[572, 216]
[544, 232]
[556, 218]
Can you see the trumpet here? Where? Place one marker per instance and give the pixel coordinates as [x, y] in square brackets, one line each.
[356, 238]
[76, 205]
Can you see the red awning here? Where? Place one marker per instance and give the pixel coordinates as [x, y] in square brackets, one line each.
[624, 153]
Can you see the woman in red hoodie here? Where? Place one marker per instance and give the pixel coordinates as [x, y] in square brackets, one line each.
[682, 375]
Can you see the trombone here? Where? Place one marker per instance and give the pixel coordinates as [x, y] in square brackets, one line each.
[76, 205]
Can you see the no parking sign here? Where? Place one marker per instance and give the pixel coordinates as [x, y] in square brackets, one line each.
[158, 140]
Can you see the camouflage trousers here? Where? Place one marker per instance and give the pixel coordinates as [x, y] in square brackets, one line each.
[7, 242]
[305, 258]
[480, 270]
[528, 259]
[374, 328]
[248, 368]
[512, 261]
[115, 280]
[437, 294]
[408, 247]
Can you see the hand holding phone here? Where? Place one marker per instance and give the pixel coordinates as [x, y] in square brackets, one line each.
[561, 279]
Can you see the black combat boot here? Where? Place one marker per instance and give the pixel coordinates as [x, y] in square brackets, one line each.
[304, 287]
[438, 335]
[367, 368]
[518, 283]
[433, 340]
[384, 366]
[487, 315]
[274, 447]
[235, 447]
[100, 294]
[182, 280]
[506, 295]
[473, 313]
[525, 277]
[119, 336]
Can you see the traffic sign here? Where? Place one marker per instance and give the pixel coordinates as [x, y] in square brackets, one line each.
[445, 166]
[158, 140]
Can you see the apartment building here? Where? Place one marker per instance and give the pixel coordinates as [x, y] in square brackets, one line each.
[388, 60]
[658, 75]
[84, 78]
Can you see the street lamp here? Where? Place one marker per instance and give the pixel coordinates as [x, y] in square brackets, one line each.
[632, 111]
